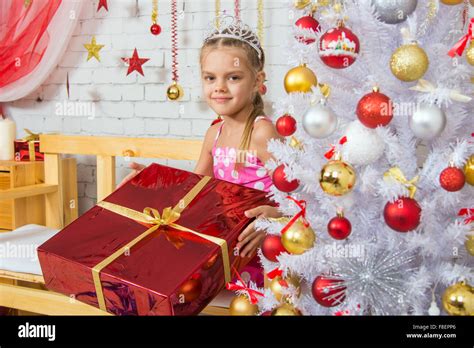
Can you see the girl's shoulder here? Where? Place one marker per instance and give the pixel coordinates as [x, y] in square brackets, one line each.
[264, 130]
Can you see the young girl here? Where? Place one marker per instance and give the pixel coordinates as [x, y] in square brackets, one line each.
[235, 149]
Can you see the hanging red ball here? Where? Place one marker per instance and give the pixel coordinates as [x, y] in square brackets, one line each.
[328, 291]
[307, 22]
[339, 48]
[339, 227]
[272, 247]
[280, 182]
[375, 109]
[402, 215]
[452, 179]
[286, 125]
[262, 89]
[155, 29]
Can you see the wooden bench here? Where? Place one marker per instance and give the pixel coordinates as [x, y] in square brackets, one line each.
[18, 290]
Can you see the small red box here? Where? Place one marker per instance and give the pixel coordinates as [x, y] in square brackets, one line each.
[170, 271]
[22, 150]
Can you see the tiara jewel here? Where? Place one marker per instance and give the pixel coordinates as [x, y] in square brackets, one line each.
[234, 28]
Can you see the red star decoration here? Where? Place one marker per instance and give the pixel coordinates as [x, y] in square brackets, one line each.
[135, 63]
[102, 3]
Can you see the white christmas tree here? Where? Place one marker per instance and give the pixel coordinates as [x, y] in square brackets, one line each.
[390, 264]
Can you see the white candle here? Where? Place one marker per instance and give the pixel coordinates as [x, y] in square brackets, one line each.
[7, 137]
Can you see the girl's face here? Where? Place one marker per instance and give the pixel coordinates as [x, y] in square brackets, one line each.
[227, 79]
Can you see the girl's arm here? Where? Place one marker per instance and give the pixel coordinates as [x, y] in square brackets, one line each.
[204, 165]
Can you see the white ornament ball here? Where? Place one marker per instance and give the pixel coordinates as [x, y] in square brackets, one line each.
[319, 121]
[363, 146]
[394, 11]
[427, 122]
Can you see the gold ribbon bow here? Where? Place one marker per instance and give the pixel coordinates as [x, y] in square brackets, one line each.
[397, 174]
[151, 216]
[428, 87]
[31, 138]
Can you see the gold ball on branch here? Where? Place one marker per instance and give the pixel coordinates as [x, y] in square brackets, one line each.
[452, 2]
[469, 244]
[470, 53]
[278, 286]
[409, 62]
[337, 178]
[298, 238]
[458, 299]
[301, 4]
[469, 170]
[175, 92]
[286, 309]
[300, 79]
[241, 305]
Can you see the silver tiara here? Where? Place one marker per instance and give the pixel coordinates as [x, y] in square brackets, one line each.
[234, 28]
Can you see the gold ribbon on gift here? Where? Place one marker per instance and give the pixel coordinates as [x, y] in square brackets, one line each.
[428, 87]
[397, 174]
[151, 216]
[31, 138]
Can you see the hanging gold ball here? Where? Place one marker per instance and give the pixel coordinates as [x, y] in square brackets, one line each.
[301, 4]
[175, 92]
[337, 178]
[469, 244]
[241, 305]
[470, 53]
[278, 289]
[458, 299]
[452, 2]
[300, 79]
[469, 170]
[409, 62]
[286, 309]
[297, 238]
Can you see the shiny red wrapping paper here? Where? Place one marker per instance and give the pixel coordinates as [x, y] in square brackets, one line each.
[170, 272]
[22, 151]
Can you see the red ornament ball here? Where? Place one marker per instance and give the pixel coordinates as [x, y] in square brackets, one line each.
[266, 314]
[339, 227]
[272, 247]
[286, 125]
[452, 179]
[155, 29]
[375, 109]
[307, 22]
[402, 215]
[339, 48]
[280, 182]
[262, 89]
[328, 291]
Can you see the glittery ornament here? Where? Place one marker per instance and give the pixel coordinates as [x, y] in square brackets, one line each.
[409, 62]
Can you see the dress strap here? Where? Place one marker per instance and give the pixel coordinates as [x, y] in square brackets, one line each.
[258, 118]
[218, 133]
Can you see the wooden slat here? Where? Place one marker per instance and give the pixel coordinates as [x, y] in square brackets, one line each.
[54, 200]
[105, 176]
[69, 187]
[27, 191]
[27, 277]
[176, 149]
[43, 302]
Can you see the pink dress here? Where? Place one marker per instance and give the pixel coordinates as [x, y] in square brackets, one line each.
[253, 174]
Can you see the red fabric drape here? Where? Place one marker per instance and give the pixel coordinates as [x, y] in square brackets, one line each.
[23, 36]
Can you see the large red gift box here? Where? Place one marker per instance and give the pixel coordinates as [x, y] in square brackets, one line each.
[162, 244]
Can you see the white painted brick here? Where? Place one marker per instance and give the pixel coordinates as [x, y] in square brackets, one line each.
[71, 125]
[132, 92]
[84, 173]
[160, 110]
[81, 189]
[134, 127]
[200, 127]
[117, 9]
[91, 190]
[87, 11]
[53, 124]
[80, 76]
[101, 92]
[113, 75]
[198, 110]
[156, 127]
[180, 127]
[155, 92]
[115, 109]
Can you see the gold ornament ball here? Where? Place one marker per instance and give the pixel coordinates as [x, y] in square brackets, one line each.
[469, 244]
[452, 2]
[337, 178]
[301, 4]
[469, 170]
[286, 309]
[241, 305]
[297, 239]
[300, 79]
[175, 92]
[278, 289]
[409, 62]
[470, 53]
[458, 299]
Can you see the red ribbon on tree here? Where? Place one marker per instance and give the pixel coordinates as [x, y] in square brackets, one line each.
[277, 272]
[469, 212]
[332, 151]
[459, 47]
[251, 292]
[302, 213]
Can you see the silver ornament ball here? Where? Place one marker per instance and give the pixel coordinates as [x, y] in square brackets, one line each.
[427, 122]
[319, 121]
[394, 11]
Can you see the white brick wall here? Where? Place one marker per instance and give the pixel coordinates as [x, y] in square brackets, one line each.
[135, 105]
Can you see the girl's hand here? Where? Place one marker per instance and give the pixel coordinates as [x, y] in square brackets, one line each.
[250, 239]
[137, 168]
